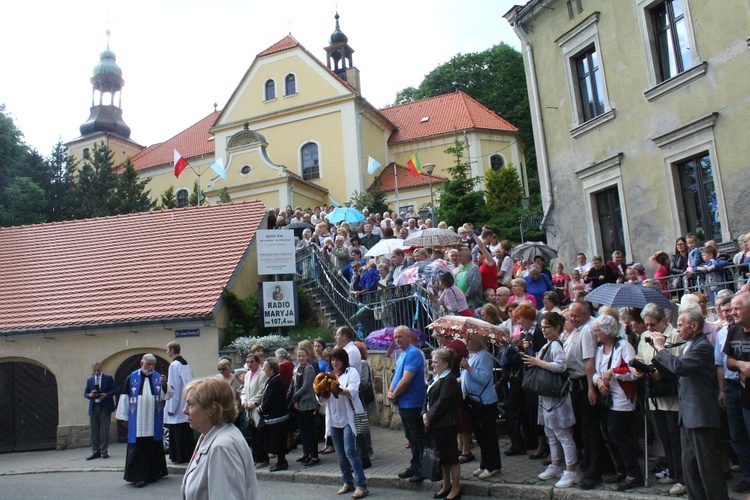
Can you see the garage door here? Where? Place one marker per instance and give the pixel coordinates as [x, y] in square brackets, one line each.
[29, 421]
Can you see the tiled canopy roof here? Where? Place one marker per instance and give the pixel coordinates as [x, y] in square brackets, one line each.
[167, 264]
[442, 114]
[405, 178]
[191, 142]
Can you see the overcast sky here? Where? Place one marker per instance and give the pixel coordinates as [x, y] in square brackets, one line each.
[178, 57]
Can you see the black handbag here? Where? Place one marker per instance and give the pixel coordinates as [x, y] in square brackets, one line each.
[431, 465]
[472, 406]
[537, 380]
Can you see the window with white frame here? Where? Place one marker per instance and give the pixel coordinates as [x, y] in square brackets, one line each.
[270, 90]
[290, 84]
[669, 44]
[585, 73]
[692, 167]
[310, 161]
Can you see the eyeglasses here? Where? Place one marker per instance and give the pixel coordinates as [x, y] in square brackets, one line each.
[546, 327]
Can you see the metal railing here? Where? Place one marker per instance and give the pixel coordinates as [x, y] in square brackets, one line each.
[368, 311]
[730, 277]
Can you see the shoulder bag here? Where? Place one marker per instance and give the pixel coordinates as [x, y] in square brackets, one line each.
[537, 380]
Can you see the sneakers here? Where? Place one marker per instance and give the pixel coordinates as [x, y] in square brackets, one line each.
[665, 480]
[677, 490]
[551, 472]
[661, 475]
[568, 479]
[488, 474]
[477, 472]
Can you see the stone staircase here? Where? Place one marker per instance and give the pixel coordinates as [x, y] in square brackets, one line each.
[327, 314]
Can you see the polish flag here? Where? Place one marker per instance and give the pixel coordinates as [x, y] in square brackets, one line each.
[180, 164]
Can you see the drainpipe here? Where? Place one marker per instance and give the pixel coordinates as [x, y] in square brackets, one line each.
[538, 123]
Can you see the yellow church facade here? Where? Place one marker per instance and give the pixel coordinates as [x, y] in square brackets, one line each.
[297, 131]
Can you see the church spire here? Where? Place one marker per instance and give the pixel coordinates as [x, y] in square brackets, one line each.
[339, 56]
[106, 85]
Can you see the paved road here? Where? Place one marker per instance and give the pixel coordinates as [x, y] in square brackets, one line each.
[110, 486]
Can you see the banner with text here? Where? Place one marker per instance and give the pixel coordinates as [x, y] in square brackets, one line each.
[275, 251]
[278, 303]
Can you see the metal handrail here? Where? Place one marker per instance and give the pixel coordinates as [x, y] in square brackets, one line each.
[731, 277]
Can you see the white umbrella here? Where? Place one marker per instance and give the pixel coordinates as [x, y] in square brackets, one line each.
[384, 247]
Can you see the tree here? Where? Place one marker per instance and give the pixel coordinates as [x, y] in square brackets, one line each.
[224, 195]
[62, 168]
[373, 199]
[95, 192]
[504, 190]
[459, 202]
[132, 196]
[27, 200]
[193, 199]
[168, 199]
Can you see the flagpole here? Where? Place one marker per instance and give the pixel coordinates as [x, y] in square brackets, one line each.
[395, 180]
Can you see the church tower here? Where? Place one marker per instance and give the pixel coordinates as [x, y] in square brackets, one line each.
[105, 123]
[339, 57]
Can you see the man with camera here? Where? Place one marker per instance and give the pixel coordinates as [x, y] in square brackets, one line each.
[100, 391]
[663, 394]
[699, 406]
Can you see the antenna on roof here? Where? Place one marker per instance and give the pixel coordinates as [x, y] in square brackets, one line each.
[455, 86]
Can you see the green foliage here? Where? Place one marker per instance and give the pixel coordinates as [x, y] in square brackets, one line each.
[63, 168]
[459, 202]
[373, 199]
[193, 198]
[245, 321]
[224, 195]
[504, 189]
[132, 196]
[168, 199]
[28, 203]
[506, 224]
[95, 192]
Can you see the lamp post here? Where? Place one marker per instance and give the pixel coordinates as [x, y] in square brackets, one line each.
[429, 167]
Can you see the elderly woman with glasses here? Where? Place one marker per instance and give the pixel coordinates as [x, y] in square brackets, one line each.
[556, 413]
[252, 393]
[616, 385]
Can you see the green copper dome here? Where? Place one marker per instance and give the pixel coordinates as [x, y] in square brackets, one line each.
[107, 64]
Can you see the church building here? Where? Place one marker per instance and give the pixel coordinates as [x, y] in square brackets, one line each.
[297, 131]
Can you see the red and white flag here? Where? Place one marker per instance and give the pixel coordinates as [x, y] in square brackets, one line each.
[180, 164]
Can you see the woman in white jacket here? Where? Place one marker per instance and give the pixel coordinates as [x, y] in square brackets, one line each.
[222, 466]
[340, 423]
[616, 384]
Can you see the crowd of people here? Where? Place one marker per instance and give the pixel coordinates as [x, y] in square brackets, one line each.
[680, 372]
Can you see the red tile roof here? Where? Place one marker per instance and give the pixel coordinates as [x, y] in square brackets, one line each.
[405, 178]
[288, 42]
[191, 142]
[446, 114]
[149, 266]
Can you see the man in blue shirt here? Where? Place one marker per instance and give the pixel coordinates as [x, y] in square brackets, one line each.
[408, 392]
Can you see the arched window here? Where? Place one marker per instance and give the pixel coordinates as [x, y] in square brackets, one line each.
[497, 162]
[270, 90]
[310, 167]
[86, 153]
[290, 83]
[182, 198]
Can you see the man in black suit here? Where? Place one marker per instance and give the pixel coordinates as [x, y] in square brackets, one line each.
[699, 406]
[100, 391]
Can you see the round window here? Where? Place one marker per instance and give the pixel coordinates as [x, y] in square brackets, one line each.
[245, 169]
[497, 162]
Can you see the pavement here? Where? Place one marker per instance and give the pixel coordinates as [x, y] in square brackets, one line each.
[517, 480]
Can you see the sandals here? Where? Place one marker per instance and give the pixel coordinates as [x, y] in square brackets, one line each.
[466, 458]
[345, 489]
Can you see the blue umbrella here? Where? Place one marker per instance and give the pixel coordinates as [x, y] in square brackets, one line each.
[628, 295]
[348, 214]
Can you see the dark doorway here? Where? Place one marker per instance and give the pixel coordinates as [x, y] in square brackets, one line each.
[29, 411]
[121, 377]
[610, 222]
